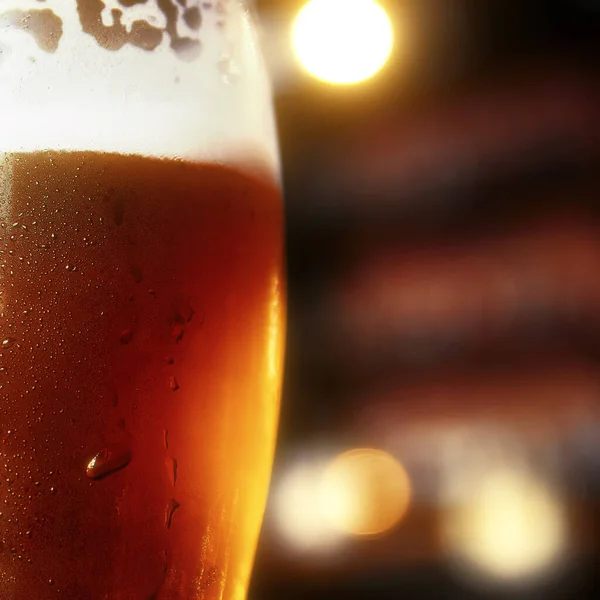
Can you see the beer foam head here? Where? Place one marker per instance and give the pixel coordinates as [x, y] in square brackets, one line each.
[134, 76]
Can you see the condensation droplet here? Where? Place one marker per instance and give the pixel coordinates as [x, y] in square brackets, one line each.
[7, 343]
[126, 336]
[188, 314]
[171, 464]
[169, 360]
[170, 511]
[137, 274]
[166, 439]
[173, 383]
[177, 327]
[109, 460]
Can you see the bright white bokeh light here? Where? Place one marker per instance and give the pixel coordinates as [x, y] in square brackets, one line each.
[512, 527]
[361, 492]
[342, 41]
[298, 509]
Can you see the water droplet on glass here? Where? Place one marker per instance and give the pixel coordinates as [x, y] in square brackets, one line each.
[170, 511]
[115, 399]
[137, 274]
[126, 336]
[171, 464]
[109, 460]
[7, 343]
[166, 439]
[169, 360]
[177, 327]
[173, 383]
[188, 314]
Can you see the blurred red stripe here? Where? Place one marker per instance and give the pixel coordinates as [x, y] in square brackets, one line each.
[472, 286]
[494, 126]
[550, 402]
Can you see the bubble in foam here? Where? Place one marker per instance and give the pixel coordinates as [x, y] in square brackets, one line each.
[193, 17]
[4, 52]
[103, 19]
[186, 48]
[44, 26]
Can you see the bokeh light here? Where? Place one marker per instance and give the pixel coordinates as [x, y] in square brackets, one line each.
[342, 41]
[300, 519]
[364, 492]
[510, 529]
[361, 492]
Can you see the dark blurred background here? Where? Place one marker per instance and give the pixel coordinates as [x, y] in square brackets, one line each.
[443, 239]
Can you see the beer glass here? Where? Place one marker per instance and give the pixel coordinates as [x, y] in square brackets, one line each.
[141, 298]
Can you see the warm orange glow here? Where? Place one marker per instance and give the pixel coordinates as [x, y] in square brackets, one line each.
[361, 492]
[267, 403]
[276, 331]
[364, 492]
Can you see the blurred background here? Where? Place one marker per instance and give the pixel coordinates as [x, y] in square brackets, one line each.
[440, 429]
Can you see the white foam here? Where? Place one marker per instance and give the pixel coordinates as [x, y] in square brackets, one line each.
[216, 107]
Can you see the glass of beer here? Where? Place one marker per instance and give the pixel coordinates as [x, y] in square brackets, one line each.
[142, 298]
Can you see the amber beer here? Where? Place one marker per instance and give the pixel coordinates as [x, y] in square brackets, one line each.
[141, 306]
